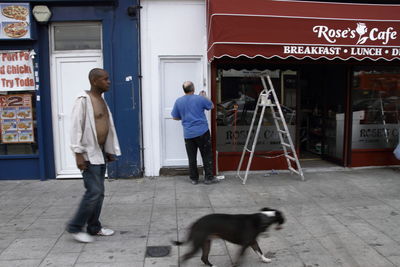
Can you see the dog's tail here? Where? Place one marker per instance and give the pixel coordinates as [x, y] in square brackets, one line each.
[177, 243]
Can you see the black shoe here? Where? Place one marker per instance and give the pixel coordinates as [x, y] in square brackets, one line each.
[194, 182]
[211, 181]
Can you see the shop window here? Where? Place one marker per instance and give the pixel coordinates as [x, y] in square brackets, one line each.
[18, 124]
[77, 36]
[237, 94]
[376, 107]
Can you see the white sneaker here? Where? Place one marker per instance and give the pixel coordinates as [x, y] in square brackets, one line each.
[105, 232]
[83, 237]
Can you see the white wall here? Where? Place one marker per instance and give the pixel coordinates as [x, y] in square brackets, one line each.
[169, 28]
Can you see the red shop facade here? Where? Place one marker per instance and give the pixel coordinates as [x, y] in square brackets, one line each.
[334, 66]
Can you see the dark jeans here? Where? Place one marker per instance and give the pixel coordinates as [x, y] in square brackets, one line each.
[203, 143]
[90, 207]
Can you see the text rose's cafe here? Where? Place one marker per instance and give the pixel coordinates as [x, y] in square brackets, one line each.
[334, 66]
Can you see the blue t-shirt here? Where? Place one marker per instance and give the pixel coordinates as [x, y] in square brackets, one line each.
[190, 109]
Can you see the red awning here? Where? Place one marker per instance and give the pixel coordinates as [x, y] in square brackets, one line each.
[298, 29]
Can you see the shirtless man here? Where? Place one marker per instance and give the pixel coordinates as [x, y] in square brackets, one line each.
[94, 142]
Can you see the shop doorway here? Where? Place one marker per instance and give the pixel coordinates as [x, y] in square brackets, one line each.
[321, 110]
[174, 71]
[75, 49]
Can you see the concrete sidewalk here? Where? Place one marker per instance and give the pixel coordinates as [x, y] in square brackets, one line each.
[340, 218]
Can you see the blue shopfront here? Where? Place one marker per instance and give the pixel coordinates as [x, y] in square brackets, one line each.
[46, 51]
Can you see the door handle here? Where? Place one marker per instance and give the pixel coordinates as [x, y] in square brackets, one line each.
[60, 115]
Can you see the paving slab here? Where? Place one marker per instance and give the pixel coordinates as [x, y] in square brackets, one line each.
[348, 217]
[60, 260]
[28, 248]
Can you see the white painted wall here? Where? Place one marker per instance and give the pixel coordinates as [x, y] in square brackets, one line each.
[169, 28]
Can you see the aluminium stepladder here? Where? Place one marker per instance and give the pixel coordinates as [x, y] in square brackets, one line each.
[264, 101]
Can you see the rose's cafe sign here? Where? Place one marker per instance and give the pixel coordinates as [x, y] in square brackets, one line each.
[356, 39]
[361, 34]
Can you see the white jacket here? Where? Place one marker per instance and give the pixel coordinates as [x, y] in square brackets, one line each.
[83, 132]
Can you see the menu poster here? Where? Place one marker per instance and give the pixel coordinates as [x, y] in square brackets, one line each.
[16, 119]
[15, 21]
[16, 71]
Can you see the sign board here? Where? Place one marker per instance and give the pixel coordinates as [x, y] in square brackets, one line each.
[15, 22]
[375, 136]
[16, 71]
[302, 29]
[16, 119]
[232, 139]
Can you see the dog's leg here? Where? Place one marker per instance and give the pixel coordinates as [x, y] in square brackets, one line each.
[196, 245]
[240, 254]
[206, 251]
[189, 254]
[257, 249]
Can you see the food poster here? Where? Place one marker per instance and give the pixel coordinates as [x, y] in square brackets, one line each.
[16, 71]
[15, 21]
[16, 119]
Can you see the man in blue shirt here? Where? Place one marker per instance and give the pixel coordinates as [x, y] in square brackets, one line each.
[190, 110]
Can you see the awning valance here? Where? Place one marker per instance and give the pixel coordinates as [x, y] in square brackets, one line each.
[298, 29]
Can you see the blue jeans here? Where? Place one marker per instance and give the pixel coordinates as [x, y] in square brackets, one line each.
[90, 207]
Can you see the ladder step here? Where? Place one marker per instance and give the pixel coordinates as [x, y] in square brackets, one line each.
[268, 105]
[291, 158]
[248, 150]
[277, 118]
[294, 170]
[285, 144]
[282, 131]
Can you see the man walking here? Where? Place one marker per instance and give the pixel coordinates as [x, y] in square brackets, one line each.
[190, 110]
[94, 142]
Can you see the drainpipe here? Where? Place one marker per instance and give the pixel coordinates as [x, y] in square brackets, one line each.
[140, 88]
[134, 11]
[39, 115]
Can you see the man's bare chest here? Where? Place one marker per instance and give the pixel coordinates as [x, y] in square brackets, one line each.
[99, 108]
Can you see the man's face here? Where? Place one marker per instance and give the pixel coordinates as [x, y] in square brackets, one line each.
[103, 82]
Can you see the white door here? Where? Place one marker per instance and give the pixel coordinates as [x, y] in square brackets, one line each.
[174, 71]
[69, 77]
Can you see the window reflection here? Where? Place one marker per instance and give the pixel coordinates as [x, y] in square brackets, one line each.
[376, 106]
[237, 95]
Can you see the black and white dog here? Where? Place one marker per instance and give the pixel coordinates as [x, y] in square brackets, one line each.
[241, 229]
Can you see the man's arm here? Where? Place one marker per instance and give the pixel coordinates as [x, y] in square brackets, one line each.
[77, 124]
[80, 161]
[204, 94]
[110, 157]
[175, 113]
